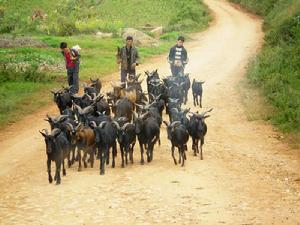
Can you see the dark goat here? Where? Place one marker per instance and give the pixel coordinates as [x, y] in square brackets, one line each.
[197, 92]
[65, 124]
[152, 110]
[126, 139]
[172, 104]
[96, 83]
[105, 138]
[179, 136]
[180, 115]
[82, 114]
[83, 101]
[186, 85]
[101, 105]
[123, 108]
[62, 98]
[148, 132]
[158, 103]
[57, 149]
[197, 130]
[176, 92]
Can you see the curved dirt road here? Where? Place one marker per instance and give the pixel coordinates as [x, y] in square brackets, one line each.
[247, 176]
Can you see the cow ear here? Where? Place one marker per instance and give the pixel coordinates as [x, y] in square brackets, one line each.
[206, 116]
[43, 134]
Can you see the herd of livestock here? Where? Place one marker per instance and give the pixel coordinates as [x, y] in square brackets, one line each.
[91, 125]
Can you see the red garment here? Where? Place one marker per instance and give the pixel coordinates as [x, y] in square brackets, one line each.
[69, 62]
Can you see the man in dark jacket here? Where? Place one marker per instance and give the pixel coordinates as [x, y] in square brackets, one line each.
[178, 57]
[128, 57]
[72, 65]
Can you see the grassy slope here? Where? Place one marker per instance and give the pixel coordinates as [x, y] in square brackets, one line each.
[276, 70]
[98, 55]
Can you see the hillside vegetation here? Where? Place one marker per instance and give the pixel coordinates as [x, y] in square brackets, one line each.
[31, 30]
[277, 68]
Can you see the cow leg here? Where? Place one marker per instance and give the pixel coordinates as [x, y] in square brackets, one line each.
[179, 153]
[182, 154]
[73, 155]
[92, 157]
[201, 101]
[64, 170]
[79, 159]
[69, 159]
[201, 144]
[122, 156]
[194, 98]
[195, 146]
[131, 153]
[148, 152]
[127, 151]
[101, 157]
[84, 158]
[114, 154]
[173, 149]
[142, 153]
[49, 170]
[107, 156]
[57, 172]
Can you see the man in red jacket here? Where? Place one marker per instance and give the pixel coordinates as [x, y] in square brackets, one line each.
[72, 65]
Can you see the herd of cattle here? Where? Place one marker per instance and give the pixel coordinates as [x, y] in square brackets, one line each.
[91, 125]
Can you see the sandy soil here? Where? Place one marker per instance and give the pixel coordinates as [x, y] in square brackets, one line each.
[247, 176]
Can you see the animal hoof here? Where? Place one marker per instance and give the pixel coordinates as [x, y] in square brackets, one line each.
[50, 180]
[79, 169]
[101, 172]
[142, 162]
[57, 182]
[123, 166]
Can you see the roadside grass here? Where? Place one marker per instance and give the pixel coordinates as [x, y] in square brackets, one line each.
[276, 70]
[22, 98]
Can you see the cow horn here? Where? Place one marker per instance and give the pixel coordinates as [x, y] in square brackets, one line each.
[70, 126]
[93, 124]
[116, 124]
[101, 125]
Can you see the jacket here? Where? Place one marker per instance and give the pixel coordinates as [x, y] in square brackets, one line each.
[122, 56]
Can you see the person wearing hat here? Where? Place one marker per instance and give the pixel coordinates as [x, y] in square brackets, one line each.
[128, 57]
[178, 57]
[72, 65]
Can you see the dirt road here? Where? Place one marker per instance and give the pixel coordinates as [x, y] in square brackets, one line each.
[247, 175]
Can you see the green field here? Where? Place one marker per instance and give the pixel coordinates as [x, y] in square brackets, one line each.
[276, 70]
[24, 86]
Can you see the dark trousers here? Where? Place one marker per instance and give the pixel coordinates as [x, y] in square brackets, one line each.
[176, 70]
[73, 79]
[124, 74]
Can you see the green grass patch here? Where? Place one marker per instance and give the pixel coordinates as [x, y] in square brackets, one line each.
[276, 70]
[22, 98]
[87, 16]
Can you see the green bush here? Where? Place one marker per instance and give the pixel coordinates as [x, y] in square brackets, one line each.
[22, 74]
[277, 68]
[171, 36]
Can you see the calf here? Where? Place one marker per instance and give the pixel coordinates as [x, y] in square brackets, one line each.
[57, 149]
[197, 92]
[105, 138]
[126, 139]
[62, 98]
[85, 139]
[197, 130]
[148, 132]
[179, 136]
